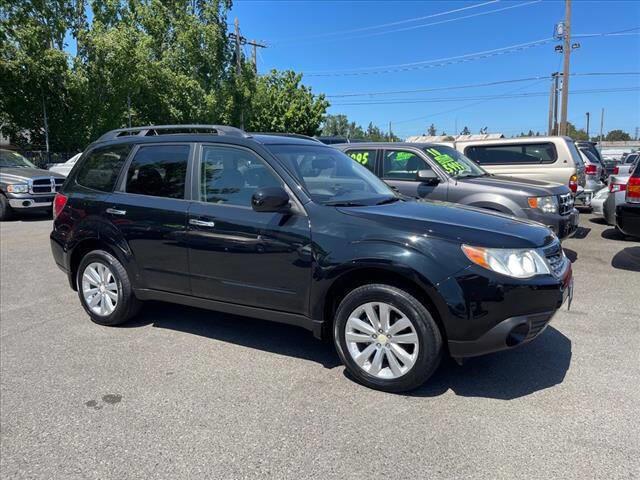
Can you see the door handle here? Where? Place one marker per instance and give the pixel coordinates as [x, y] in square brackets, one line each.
[115, 211]
[201, 223]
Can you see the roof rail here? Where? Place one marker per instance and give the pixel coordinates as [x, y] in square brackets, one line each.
[152, 130]
[291, 135]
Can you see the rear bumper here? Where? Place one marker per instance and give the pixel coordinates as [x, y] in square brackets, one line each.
[628, 218]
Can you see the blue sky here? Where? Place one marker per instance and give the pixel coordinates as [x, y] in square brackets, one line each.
[301, 37]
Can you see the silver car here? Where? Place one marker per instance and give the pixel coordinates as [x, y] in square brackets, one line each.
[617, 194]
[593, 178]
[627, 164]
[438, 172]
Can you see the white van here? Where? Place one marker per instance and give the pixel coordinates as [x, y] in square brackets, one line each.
[551, 159]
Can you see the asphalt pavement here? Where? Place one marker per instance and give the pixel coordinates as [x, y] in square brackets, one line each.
[185, 393]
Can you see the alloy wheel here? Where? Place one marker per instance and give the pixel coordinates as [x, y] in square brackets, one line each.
[99, 289]
[381, 340]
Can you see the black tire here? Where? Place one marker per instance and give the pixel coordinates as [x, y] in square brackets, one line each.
[6, 212]
[127, 305]
[428, 333]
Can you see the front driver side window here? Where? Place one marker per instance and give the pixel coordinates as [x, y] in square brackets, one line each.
[402, 165]
[230, 176]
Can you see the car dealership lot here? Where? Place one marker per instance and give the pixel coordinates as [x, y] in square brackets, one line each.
[183, 392]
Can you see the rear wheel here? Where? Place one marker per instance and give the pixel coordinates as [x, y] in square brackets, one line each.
[105, 290]
[386, 338]
[6, 212]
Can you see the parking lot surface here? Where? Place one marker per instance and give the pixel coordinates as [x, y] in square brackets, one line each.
[186, 393]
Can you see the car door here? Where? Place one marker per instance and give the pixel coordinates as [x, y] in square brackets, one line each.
[236, 254]
[400, 169]
[150, 210]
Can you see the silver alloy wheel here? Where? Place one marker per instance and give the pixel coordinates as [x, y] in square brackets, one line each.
[99, 289]
[381, 340]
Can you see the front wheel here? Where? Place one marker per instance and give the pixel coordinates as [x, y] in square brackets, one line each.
[386, 338]
[6, 212]
[105, 290]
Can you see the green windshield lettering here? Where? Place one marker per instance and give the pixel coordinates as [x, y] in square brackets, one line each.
[448, 163]
[360, 157]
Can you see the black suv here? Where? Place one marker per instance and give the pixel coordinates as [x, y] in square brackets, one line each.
[290, 230]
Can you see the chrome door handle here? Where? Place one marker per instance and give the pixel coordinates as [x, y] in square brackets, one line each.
[201, 223]
[114, 211]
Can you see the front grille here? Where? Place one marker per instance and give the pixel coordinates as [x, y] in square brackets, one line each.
[565, 204]
[45, 185]
[555, 258]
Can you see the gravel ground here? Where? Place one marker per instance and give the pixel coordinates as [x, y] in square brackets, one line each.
[186, 393]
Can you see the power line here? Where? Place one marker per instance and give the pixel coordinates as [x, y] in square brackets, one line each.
[383, 25]
[481, 97]
[431, 63]
[476, 85]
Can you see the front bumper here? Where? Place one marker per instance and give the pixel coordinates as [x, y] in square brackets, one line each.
[26, 200]
[562, 225]
[585, 196]
[489, 312]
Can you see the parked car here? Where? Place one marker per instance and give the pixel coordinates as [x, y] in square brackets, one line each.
[584, 145]
[65, 168]
[289, 230]
[597, 202]
[628, 164]
[628, 213]
[593, 178]
[332, 140]
[439, 172]
[549, 159]
[23, 186]
[617, 193]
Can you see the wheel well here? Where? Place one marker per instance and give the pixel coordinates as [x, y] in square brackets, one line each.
[80, 251]
[365, 276]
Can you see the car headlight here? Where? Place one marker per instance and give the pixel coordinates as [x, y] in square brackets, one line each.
[518, 263]
[547, 204]
[18, 188]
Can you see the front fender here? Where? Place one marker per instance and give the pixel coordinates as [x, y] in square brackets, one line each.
[494, 201]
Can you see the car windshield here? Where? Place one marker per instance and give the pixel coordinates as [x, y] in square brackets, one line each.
[11, 159]
[332, 178]
[454, 163]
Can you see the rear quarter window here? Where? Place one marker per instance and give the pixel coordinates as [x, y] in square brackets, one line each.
[513, 154]
[100, 169]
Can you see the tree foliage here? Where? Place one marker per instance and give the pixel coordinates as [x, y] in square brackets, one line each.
[339, 126]
[617, 135]
[140, 62]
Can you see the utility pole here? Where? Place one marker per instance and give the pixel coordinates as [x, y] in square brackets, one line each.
[565, 69]
[237, 39]
[254, 54]
[588, 115]
[46, 128]
[129, 108]
[601, 124]
[556, 83]
[552, 97]
[390, 131]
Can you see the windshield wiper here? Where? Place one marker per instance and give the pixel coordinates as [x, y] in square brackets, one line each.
[344, 203]
[388, 200]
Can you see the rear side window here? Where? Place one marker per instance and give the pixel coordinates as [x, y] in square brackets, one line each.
[402, 165]
[366, 158]
[513, 154]
[99, 171]
[159, 171]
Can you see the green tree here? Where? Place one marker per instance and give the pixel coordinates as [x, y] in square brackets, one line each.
[282, 104]
[575, 133]
[617, 136]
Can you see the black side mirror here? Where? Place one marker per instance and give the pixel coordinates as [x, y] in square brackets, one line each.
[427, 177]
[270, 199]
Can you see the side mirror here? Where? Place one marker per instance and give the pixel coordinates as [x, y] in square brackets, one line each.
[270, 199]
[428, 177]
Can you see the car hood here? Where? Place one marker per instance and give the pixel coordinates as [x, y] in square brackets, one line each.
[22, 174]
[531, 188]
[456, 223]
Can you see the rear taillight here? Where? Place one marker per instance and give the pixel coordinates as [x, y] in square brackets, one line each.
[59, 201]
[633, 190]
[573, 183]
[616, 170]
[617, 187]
[591, 170]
